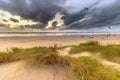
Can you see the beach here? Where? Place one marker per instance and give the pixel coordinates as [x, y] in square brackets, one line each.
[55, 65]
[47, 41]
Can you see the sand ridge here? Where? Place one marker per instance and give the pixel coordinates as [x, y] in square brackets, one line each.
[65, 52]
[17, 71]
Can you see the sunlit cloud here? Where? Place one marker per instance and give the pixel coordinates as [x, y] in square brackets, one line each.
[6, 16]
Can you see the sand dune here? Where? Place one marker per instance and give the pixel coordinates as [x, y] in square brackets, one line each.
[17, 71]
[20, 71]
[65, 52]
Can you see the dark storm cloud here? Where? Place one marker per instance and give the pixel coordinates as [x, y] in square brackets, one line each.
[37, 10]
[70, 18]
[14, 20]
[96, 17]
[92, 13]
[3, 25]
[4, 20]
[54, 25]
[34, 26]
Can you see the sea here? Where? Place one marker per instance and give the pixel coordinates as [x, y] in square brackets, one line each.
[8, 34]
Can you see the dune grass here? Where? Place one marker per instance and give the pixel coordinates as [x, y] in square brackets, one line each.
[88, 68]
[109, 52]
[84, 68]
[90, 46]
[15, 54]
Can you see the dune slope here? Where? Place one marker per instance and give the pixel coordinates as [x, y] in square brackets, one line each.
[17, 71]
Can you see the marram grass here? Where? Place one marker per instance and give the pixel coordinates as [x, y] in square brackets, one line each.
[109, 52]
[84, 68]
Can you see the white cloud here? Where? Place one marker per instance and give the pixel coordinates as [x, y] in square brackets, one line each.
[5, 15]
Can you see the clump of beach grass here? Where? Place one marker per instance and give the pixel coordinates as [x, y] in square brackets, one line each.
[88, 68]
[109, 52]
[83, 68]
[90, 46]
[15, 54]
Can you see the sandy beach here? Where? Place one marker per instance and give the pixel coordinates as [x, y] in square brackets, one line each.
[46, 41]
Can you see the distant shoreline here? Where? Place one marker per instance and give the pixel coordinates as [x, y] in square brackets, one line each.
[27, 34]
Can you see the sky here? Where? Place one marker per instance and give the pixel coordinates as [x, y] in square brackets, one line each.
[59, 14]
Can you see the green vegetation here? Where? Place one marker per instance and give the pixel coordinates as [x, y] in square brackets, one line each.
[84, 68]
[109, 52]
[16, 54]
[88, 68]
[90, 46]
